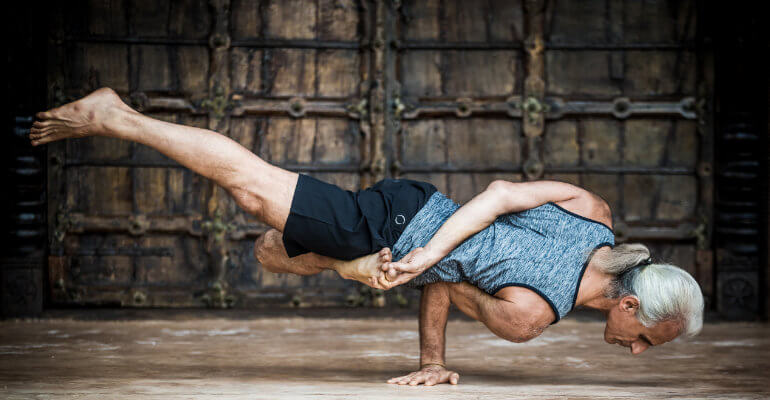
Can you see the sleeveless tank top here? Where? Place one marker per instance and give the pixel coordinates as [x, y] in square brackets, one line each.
[544, 249]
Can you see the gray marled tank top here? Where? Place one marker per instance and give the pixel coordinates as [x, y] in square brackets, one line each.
[544, 249]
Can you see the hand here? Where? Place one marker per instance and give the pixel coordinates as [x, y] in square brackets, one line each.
[398, 273]
[429, 376]
[416, 261]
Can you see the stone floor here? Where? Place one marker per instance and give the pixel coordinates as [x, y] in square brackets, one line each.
[286, 356]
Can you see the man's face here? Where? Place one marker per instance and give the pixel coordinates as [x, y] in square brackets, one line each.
[623, 328]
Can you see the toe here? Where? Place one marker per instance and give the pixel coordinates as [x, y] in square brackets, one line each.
[44, 139]
[44, 123]
[36, 133]
[44, 115]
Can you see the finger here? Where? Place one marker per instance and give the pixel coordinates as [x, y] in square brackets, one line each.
[432, 380]
[403, 267]
[383, 282]
[417, 380]
[402, 279]
[405, 379]
[396, 378]
[454, 378]
[388, 256]
[391, 274]
[375, 283]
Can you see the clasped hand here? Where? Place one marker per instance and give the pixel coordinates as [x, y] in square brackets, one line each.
[402, 271]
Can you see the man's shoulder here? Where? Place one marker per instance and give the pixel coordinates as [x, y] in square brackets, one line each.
[589, 205]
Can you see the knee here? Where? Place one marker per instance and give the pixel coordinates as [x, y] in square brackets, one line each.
[527, 328]
[521, 334]
[259, 250]
[247, 201]
[522, 325]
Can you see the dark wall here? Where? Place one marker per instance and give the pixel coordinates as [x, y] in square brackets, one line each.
[739, 36]
[22, 270]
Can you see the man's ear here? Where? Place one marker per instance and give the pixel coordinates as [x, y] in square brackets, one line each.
[629, 304]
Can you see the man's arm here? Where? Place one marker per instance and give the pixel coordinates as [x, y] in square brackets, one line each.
[520, 315]
[434, 309]
[500, 197]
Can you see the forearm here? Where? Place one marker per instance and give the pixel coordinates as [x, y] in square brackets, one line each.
[500, 197]
[469, 219]
[434, 309]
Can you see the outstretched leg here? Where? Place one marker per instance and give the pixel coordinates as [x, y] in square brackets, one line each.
[261, 189]
[270, 252]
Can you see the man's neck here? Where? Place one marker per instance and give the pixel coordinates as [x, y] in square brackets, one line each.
[592, 292]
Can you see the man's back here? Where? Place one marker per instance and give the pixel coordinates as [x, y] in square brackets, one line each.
[543, 249]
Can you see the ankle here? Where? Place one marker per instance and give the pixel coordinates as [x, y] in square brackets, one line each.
[110, 122]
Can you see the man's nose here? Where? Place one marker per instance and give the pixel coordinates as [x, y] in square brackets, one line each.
[638, 347]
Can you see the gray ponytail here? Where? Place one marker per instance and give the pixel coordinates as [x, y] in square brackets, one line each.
[623, 257]
[665, 291]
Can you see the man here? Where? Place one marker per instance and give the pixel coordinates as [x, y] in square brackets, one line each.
[517, 257]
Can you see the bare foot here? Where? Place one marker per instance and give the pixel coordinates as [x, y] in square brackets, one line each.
[81, 118]
[363, 268]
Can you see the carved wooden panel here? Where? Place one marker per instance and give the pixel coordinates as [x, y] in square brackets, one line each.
[453, 56]
[286, 79]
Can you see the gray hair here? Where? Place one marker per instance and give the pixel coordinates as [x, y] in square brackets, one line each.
[665, 291]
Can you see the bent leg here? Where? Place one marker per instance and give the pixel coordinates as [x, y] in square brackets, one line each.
[261, 189]
[270, 251]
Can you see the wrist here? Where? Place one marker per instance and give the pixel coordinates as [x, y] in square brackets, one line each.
[426, 365]
[432, 361]
[433, 254]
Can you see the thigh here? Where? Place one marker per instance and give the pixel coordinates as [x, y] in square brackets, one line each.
[327, 220]
[274, 188]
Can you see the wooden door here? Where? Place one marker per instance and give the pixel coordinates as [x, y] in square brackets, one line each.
[453, 92]
[288, 80]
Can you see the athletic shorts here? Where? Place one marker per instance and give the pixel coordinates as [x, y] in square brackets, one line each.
[333, 222]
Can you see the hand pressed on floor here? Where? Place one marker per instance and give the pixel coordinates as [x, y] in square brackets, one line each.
[429, 375]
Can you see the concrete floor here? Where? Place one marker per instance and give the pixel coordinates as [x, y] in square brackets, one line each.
[285, 356]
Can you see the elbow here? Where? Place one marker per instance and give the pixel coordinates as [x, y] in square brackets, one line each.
[499, 195]
[521, 330]
[499, 186]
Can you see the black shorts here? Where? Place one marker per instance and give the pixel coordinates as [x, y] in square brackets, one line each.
[333, 222]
